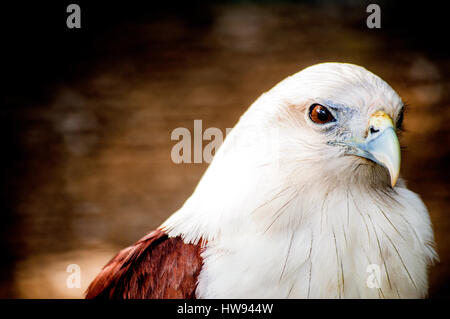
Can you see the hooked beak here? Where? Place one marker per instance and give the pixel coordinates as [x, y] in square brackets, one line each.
[381, 145]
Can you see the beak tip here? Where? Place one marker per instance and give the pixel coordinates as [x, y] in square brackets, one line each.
[394, 181]
[394, 173]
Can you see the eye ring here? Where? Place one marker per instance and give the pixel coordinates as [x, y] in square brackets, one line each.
[319, 114]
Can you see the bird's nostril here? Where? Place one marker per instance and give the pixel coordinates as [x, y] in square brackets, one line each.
[373, 130]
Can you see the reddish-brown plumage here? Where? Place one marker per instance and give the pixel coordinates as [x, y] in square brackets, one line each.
[155, 267]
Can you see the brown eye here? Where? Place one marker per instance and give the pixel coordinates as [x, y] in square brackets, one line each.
[319, 114]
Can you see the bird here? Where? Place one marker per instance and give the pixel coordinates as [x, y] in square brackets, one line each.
[303, 199]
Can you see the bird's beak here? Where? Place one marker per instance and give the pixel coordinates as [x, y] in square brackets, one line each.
[381, 145]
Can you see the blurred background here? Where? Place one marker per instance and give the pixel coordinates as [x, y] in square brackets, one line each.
[88, 113]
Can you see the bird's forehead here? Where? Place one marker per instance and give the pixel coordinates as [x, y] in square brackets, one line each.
[345, 87]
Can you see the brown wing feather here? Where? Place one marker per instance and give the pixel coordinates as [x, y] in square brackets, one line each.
[155, 267]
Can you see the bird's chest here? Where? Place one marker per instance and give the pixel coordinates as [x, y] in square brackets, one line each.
[335, 259]
[271, 268]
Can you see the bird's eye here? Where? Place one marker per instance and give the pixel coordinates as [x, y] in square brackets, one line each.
[319, 114]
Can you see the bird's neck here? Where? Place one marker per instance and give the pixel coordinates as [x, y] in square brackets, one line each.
[311, 244]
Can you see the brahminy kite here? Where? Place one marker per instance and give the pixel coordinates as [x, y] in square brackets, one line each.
[302, 200]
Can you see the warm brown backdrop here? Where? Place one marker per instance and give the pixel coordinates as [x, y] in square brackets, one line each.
[88, 123]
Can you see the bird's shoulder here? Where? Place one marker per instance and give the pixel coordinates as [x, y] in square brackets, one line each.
[156, 266]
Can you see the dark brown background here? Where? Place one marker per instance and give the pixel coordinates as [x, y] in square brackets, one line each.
[87, 114]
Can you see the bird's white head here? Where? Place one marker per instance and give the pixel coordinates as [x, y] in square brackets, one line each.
[328, 127]
[339, 120]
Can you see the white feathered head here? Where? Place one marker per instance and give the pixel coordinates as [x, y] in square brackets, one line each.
[329, 126]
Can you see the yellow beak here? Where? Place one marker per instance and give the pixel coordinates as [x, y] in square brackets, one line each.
[381, 145]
